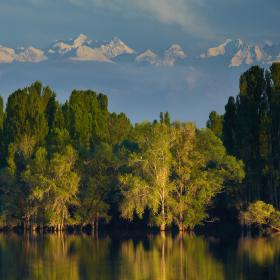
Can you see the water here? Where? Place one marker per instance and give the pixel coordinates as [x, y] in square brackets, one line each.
[152, 257]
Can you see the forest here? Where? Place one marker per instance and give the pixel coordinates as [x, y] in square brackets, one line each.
[78, 166]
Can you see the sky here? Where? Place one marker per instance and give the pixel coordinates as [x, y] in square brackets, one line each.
[156, 24]
[141, 23]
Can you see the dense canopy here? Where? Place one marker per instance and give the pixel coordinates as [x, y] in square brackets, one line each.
[77, 164]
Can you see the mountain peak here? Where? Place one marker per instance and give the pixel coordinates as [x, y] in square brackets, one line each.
[231, 52]
[219, 50]
[30, 54]
[176, 50]
[80, 40]
[115, 48]
[147, 56]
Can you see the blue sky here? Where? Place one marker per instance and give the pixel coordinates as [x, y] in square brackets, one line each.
[140, 22]
[189, 92]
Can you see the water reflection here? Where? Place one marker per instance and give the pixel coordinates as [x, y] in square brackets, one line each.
[154, 257]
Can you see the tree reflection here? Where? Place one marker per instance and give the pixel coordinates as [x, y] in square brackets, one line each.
[153, 257]
[262, 251]
[167, 258]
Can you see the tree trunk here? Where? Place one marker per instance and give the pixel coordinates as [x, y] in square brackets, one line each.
[34, 227]
[163, 224]
[182, 227]
[163, 264]
[162, 227]
[96, 225]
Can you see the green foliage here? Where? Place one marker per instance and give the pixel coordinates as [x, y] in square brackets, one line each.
[25, 114]
[261, 214]
[97, 185]
[149, 184]
[251, 132]
[215, 123]
[165, 118]
[258, 213]
[201, 167]
[88, 117]
[176, 173]
[77, 163]
[119, 128]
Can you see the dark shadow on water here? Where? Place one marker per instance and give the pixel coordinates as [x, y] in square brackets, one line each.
[137, 255]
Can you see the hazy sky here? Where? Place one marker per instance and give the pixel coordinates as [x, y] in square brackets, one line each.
[141, 23]
[188, 92]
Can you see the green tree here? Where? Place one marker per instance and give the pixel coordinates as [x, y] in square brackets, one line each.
[201, 168]
[215, 123]
[52, 188]
[229, 126]
[36, 186]
[25, 114]
[88, 118]
[261, 214]
[98, 180]
[64, 185]
[119, 128]
[149, 183]
[2, 119]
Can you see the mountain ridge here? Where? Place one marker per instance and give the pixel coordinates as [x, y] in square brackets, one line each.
[234, 53]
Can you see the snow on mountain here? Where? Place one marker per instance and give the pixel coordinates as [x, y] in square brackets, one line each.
[80, 40]
[259, 54]
[248, 58]
[231, 53]
[169, 58]
[147, 56]
[30, 54]
[85, 53]
[63, 48]
[172, 54]
[228, 47]
[7, 55]
[248, 55]
[115, 48]
[237, 59]
[238, 53]
[83, 49]
[220, 50]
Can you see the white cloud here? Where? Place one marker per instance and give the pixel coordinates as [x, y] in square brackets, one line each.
[181, 12]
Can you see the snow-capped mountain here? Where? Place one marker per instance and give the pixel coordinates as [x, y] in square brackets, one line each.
[115, 48]
[65, 47]
[83, 49]
[228, 47]
[238, 53]
[231, 53]
[7, 55]
[148, 57]
[174, 53]
[30, 54]
[85, 53]
[169, 57]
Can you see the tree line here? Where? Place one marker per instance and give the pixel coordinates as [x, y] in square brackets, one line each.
[74, 165]
[250, 131]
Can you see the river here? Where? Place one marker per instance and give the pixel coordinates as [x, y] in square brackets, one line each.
[144, 257]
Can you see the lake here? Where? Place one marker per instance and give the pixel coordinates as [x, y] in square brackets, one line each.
[148, 257]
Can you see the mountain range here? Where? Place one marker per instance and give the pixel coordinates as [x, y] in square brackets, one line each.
[234, 53]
